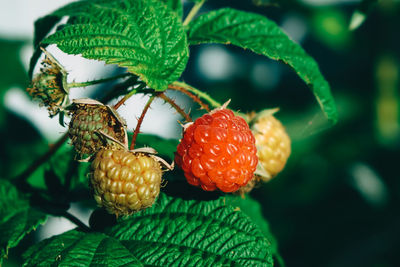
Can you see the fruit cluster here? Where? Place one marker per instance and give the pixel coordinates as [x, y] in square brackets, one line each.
[218, 151]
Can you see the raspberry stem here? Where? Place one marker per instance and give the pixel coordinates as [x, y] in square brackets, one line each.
[140, 121]
[88, 83]
[175, 106]
[195, 98]
[197, 92]
[76, 221]
[193, 12]
[128, 95]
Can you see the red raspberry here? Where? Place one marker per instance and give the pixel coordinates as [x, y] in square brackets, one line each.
[218, 151]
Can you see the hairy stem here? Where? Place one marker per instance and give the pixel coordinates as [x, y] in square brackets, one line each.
[140, 121]
[197, 92]
[193, 12]
[76, 221]
[84, 84]
[38, 162]
[128, 95]
[194, 97]
[175, 106]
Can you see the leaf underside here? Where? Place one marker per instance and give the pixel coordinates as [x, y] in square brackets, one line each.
[174, 232]
[145, 36]
[262, 36]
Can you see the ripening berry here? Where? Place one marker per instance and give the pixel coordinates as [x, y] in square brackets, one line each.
[49, 87]
[124, 182]
[89, 118]
[218, 151]
[273, 145]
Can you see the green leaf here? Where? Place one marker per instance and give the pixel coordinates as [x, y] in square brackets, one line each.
[252, 208]
[17, 218]
[142, 35]
[174, 232]
[202, 233]
[45, 24]
[262, 36]
[175, 5]
[75, 248]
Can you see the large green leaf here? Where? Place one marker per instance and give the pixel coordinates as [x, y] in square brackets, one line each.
[252, 208]
[144, 36]
[262, 36]
[174, 232]
[17, 218]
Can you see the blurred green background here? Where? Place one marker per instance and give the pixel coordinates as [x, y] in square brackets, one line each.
[336, 202]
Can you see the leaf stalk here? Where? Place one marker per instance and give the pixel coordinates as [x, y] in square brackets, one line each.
[183, 86]
[175, 106]
[128, 95]
[193, 12]
[194, 97]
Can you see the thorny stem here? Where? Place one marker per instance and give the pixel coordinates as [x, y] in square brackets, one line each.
[131, 93]
[76, 221]
[128, 95]
[140, 120]
[84, 84]
[175, 106]
[195, 98]
[38, 162]
[193, 12]
[198, 93]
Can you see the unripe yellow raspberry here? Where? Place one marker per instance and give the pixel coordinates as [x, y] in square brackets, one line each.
[273, 145]
[124, 182]
[273, 148]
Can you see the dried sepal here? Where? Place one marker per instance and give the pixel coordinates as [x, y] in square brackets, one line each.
[49, 86]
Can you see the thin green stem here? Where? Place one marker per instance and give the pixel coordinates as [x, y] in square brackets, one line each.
[199, 93]
[193, 12]
[140, 120]
[88, 83]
